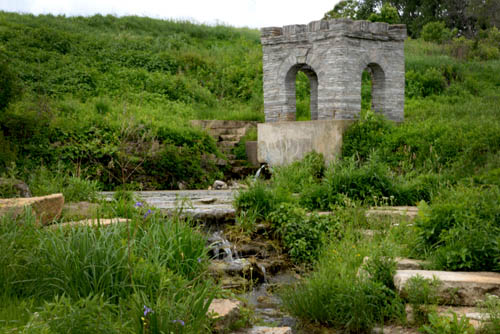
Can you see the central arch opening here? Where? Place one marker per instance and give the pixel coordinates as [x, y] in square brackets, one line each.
[302, 93]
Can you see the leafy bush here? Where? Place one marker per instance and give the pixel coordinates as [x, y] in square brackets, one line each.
[74, 189]
[261, 199]
[298, 174]
[387, 14]
[436, 32]
[431, 82]
[365, 136]
[9, 86]
[461, 229]
[447, 325]
[303, 234]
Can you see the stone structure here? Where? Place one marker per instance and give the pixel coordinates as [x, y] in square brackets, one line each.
[334, 54]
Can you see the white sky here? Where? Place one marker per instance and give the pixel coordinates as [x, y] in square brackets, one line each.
[239, 13]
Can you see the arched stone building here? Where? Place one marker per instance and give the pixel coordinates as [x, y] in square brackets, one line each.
[333, 54]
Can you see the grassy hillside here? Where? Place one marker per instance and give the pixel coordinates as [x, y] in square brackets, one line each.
[109, 98]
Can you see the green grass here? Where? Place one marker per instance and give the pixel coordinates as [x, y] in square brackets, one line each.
[99, 279]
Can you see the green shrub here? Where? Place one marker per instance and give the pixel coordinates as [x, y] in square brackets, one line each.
[298, 174]
[367, 182]
[365, 136]
[303, 235]
[10, 85]
[436, 32]
[461, 229]
[447, 325]
[74, 189]
[260, 199]
[387, 14]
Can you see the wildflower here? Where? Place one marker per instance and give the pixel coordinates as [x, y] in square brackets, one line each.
[138, 204]
[179, 322]
[147, 310]
[147, 213]
[199, 260]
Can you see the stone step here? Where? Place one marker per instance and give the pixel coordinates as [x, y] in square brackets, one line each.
[456, 288]
[392, 213]
[45, 208]
[217, 133]
[230, 137]
[265, 330]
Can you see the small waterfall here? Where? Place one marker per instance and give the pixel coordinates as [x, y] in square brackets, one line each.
[221, 247]
[259, 171]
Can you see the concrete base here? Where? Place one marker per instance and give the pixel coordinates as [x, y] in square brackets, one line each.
[281, 143]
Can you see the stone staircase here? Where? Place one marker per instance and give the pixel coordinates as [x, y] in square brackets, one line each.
[227, 135]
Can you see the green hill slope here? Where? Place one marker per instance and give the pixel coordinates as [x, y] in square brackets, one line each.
[109, 99]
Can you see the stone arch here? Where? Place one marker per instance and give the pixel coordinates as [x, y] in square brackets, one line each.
[337, 51]
[290, 91]
[378, 86]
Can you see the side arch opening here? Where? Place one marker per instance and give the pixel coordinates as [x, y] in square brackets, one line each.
[301, 85]
[373, 88]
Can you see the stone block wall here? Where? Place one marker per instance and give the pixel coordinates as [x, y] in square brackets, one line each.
[334, 54]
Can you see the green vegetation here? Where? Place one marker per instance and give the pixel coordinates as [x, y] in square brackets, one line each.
[110, 99]
[103, 279]
[443, 158]
[104, 103]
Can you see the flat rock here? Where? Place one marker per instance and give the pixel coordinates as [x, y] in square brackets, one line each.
[457, 288]
[392, 212]
[92, 222]
[189, 203]
[225, 312]
[45, 208]
[394, 329]
[269, 330]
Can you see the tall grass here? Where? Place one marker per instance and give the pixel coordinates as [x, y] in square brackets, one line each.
[108, 274]
[337, 296]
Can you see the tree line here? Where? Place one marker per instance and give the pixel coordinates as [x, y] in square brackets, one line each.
[468, 17]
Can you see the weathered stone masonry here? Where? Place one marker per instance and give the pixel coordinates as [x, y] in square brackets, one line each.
[334, 54]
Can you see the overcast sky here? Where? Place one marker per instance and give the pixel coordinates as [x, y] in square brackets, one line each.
[250, 13]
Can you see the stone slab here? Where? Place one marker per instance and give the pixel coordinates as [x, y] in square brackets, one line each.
[457, 288]
[392, 212]
[281, 143]
[205, 205]
[45, 208]
[269, 330]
